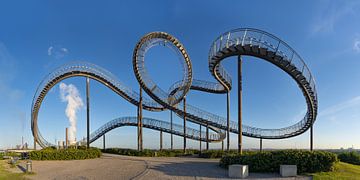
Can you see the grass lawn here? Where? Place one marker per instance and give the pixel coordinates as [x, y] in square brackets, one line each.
[4, 174]
[342, 171]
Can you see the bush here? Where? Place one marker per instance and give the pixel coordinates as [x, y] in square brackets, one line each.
[306, 161]
[221, 153]
[212, 154]
[149, 153]
[350, 157]
[13, 154]
[65, 154]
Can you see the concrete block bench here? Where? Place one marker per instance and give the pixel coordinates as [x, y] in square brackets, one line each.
[13, 160]
[238, 171]
[288, 170]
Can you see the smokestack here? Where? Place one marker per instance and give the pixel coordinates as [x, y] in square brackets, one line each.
[66, 137]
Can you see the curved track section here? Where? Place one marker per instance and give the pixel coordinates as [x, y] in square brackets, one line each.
[155, 125]
[147, 42]
[249, 42]
[101, 75]
[260, 44]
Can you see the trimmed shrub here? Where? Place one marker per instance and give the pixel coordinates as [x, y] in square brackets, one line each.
[149, 153]
[270, 161]
[220, 153]
[350, 157]
[13, 154]
[65, 154]
[212, 154]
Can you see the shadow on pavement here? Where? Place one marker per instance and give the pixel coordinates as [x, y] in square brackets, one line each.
[21, 168]
[208, 170]
[190, 168]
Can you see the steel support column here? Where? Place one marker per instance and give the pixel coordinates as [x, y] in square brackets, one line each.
[87, 112]
[311, 138]
[200, 139]
[34, 144]
[140, 139]
[240, 104]
[104, 141]
[207, 137]
[184, 124]
[261, 144]
[161, 140]
[228, 120]
[171, 127]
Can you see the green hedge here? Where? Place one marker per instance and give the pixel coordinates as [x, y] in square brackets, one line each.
[350, 157]
[149, 153]
[212, 154]
[13, 154]
[270, 161]
[220, 153]
[65, 154]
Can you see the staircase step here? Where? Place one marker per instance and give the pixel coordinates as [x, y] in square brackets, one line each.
[247, 47]
[271, 54]
[240, 48]
[263, 51]
[255, 49]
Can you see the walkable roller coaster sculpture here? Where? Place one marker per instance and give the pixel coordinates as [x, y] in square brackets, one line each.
[238, 42]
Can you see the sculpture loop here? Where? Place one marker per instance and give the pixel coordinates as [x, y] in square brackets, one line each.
[238, 42]
[160, 38]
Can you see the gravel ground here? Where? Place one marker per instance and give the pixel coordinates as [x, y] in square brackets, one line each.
[126, 167]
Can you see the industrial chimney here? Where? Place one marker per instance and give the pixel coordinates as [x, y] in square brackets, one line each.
[66, 138]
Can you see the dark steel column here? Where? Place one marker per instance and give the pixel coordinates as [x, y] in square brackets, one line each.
[200, 139]
[140, 140]
[207, 137]
[34, 144]
[261, 144]
[228, 120]
[161, 140]
[240, 104]
[104, 141]
[171, 127]
[222, 145]
[184, 124]
[87, 112]
[311, 138]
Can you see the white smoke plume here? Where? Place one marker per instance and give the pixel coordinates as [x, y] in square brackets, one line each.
[70, 94]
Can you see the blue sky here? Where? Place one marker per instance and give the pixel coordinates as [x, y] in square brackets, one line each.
[325, 33]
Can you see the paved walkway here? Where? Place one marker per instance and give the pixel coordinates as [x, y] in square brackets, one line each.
[126, 167]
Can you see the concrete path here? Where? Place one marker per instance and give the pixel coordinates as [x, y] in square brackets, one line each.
[142, 168]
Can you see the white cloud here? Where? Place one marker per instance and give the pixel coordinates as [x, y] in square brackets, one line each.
[57, 51]
[50, 50]
[356, 45]
[332, 110]
[332, 13]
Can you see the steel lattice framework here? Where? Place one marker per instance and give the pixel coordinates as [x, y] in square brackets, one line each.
[244, 41]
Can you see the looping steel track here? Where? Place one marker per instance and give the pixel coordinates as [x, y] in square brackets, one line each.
[238, 42]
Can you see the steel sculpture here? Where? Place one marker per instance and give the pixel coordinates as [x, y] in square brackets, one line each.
[238, 42]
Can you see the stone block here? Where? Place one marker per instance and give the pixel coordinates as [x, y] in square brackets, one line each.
[288, 170]
[238, 171]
